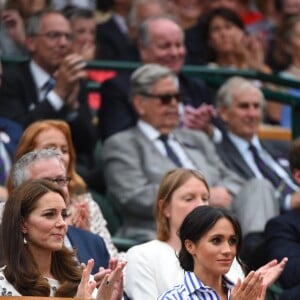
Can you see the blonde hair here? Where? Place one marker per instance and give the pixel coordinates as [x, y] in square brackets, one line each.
[171, 181]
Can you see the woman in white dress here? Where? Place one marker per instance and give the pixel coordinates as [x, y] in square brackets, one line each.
[37, 262]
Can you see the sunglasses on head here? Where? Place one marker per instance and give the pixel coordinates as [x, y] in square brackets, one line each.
[164, 98]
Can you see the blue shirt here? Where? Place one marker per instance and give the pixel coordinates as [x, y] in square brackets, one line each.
[193, 288]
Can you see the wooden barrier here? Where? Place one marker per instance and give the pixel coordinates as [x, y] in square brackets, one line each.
[274, 133]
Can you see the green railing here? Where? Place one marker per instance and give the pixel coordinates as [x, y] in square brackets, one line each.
[214, 78]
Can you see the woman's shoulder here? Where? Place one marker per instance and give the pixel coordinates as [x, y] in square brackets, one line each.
[6, 288]
[151, 248]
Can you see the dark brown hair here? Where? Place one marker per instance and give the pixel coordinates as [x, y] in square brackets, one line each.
[21, 269]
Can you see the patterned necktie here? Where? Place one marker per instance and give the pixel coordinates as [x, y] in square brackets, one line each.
[170, 152]
[49, 85]
[278, 183]
[2, 172]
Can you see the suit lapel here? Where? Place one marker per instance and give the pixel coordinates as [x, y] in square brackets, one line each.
[235, 158]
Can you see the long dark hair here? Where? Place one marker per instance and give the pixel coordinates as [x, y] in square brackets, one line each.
[197, 223]
[224, 13]
[21, 269]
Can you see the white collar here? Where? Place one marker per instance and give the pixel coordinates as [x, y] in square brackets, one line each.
[40, 76]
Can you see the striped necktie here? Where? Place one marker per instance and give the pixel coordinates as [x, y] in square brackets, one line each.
[170, 152]
[270, 174]
[49, 85]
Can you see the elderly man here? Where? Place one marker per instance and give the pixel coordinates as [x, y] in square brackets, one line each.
[135, 160]
[48, 85]
[240, 106]
[161, 41]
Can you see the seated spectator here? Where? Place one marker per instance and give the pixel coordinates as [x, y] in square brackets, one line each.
[86, 213]
[139, 11]
[210, 240]
[197, 111]
[240, 107]
[48, 163]
[37, 261]
[10, 133]
[50, 84]
[287, 53]
[283, 236]
[113, 35]
[12, 24]
[136, 159]
[153, 267]
[228, 44]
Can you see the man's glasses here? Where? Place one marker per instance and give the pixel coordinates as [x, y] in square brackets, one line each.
[164, 98]
[61, 181]
[56, 35]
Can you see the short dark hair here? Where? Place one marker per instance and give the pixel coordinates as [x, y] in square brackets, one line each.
[197, 223]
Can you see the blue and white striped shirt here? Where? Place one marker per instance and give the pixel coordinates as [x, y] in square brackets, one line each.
[193, 288]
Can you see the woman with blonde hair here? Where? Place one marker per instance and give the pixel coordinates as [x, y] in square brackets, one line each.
[86, 213]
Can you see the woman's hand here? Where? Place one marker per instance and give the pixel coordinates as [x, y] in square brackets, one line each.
[271, 271]
[111, 287]
[251, 288]
[86, 287]
[79, 215]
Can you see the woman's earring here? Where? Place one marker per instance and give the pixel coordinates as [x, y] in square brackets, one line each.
[24, 240]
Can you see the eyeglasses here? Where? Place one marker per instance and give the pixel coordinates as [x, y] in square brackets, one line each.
[164, 98]
[56, 35]
[61, 181]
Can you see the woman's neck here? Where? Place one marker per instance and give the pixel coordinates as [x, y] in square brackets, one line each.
[43, 261]
[211, 280]
[174, 241]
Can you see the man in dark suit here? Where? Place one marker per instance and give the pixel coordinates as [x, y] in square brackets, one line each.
[50, 84]
[240, 106]
[161, 41]
[136, 159]
[48, 164]
[282, 235]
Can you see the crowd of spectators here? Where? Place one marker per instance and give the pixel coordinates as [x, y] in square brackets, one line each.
[139, 133]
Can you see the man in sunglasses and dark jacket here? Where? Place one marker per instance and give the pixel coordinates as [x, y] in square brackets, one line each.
[136, 159]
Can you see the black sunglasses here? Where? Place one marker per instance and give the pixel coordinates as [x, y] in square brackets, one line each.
[165, 98]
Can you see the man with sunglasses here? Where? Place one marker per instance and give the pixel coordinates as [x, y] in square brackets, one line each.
[161, 41]
[136, 159]
[51, 83]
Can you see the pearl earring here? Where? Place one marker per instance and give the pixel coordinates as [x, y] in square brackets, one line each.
[24, 240]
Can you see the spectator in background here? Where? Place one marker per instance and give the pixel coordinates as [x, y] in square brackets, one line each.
[240, 107]
[136, 159]
[287, 53]
[113, 34]
[51, 83]
[283, 237]
[228, 44]
[161, 40]
[12, 25]
[139, 11]
[10, 133]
